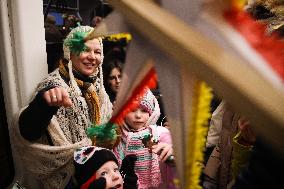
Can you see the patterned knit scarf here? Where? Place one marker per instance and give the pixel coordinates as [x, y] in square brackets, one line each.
[90, 94]
[147, 165]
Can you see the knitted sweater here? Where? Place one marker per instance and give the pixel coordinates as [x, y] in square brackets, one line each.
[52, 164]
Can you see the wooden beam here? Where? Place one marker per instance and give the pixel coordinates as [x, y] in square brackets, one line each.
[247, 91]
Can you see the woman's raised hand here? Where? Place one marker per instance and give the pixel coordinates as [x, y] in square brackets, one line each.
[57, 96]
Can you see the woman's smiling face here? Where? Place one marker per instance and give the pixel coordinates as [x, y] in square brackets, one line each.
[88, 61]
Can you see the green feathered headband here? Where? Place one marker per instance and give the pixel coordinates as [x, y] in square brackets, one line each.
[76, 44]
[75, 40]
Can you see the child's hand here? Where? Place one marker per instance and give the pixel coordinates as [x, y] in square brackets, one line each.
[99, 183]
[127, 171]
[164, 150]
[128, 163]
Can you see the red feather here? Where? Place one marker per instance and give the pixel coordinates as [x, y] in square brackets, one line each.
[270, 47]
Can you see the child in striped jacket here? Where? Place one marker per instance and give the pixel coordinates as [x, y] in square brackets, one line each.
[151, 144]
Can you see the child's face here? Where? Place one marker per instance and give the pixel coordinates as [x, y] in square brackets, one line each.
[111, 173]
[137, 119]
